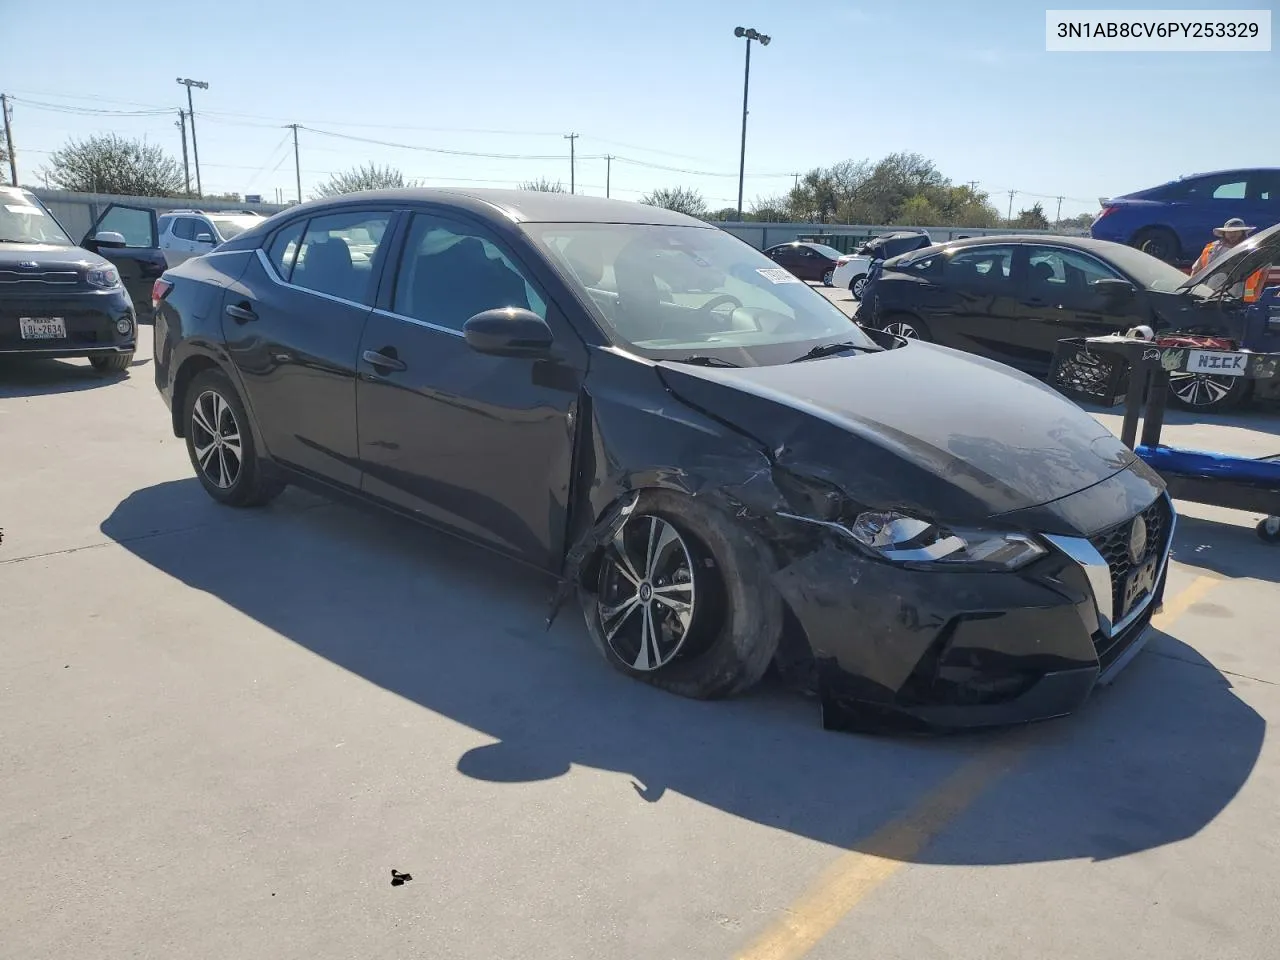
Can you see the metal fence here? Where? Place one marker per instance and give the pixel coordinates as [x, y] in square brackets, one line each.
[78, 211]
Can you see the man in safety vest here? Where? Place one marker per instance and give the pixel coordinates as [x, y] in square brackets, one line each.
[1231, 234]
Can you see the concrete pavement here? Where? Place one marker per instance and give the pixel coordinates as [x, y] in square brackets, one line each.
[220, 731]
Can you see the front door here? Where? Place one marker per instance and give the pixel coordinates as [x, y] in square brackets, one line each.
[139, 261]
[1058, 300]
[479, 443]
[292, 325]
[976, 314]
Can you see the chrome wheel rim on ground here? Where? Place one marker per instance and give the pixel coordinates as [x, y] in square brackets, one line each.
[215, 440]
[646, 599]
[900, 329]
[857, 287]
[1199, 389]
[826, 278]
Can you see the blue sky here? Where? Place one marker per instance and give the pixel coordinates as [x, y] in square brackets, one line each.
[968, 85]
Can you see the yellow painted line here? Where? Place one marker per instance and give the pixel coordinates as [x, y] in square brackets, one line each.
[847, 881]
[1176, 607]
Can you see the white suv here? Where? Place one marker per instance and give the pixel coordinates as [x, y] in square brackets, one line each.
[189, 233]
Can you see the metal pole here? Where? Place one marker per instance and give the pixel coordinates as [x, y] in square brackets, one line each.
[195, 147]
[186, 168]
[8, 140]
[571, 137]
[297, 167]
[608, 173]
[742, 156]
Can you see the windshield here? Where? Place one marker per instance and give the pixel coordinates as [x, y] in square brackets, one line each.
[229, 227]
[1146, 269]
[671, 292]
[24, 220]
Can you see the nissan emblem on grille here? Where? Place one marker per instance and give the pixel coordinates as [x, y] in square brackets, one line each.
[28, 264]
[1138, 540]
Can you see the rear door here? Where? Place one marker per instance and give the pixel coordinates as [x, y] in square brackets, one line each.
[139, 260]
[292, 325]
[1263, 198]
[1058, 299]
[980, 302]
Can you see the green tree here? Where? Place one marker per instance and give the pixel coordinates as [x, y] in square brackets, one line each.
[725, 213]
[680, 199]
[544, 185]
[1033, 219]
[113, 164]
[768, 210]
[1081, 221]
[360, 178]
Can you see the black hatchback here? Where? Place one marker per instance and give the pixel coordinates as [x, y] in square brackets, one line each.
[58, 299]
[696, 443]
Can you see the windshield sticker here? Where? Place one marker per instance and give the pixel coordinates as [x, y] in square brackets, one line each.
[778, 275]
[23, 208]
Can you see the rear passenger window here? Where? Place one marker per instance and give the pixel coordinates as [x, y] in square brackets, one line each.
[983, 267]
[450, 273]
[337, 255]
[284, 248]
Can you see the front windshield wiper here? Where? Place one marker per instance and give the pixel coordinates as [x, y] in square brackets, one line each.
[827, 349]
[702, 360]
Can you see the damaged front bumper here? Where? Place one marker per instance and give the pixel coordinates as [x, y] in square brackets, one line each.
[897, 649]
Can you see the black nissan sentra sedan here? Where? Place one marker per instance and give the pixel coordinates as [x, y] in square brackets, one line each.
[58, 299]
[725, 470]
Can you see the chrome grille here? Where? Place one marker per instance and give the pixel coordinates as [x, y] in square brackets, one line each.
[1113, 544]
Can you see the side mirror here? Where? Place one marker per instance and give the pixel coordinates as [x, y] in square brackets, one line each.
[509, 332]
[1112, 287]
[204, 238]
[109, 238]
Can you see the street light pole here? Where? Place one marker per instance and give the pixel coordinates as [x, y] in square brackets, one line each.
[750, 33]
[191, 115]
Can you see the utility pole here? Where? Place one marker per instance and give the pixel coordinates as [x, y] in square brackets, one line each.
[1059, 215]
[1009, 218]
[973, 186]
[608, 172]
[297, 167]
[797, 186]
[191, 113]
[571, 137]
[8, 140]
[186, 169]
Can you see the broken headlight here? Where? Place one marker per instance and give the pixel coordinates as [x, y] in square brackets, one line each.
[904, 539]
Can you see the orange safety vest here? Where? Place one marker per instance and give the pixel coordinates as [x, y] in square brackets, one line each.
[1252, 283]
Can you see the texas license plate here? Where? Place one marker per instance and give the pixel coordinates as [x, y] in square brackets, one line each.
[42, 328]
[1217, 362]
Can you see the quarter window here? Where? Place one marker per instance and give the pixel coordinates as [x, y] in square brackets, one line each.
[284, 248]
[449, 273]
[338, 252]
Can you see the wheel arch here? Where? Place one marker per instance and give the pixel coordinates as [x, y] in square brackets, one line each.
[190, 367]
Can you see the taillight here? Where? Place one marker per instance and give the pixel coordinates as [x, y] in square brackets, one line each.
[1105, 211]
[159, 290]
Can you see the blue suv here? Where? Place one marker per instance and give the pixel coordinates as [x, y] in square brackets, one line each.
[1175, 220]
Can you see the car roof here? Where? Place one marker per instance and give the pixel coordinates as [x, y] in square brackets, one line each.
[1080, 243]
[518, 206]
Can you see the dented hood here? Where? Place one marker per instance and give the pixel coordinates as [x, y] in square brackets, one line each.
[921, 428]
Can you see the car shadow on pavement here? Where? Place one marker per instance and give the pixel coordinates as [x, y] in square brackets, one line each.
[1228, 549]
[1149, 761]
[34, 378]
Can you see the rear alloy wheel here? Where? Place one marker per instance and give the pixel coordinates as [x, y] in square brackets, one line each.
[1207, 392]
[826, 278]
[857, 286]
[907, 327]
[220, 444]
[1158, 242]
[1269, 530]
[683, 599]
[111, 362]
